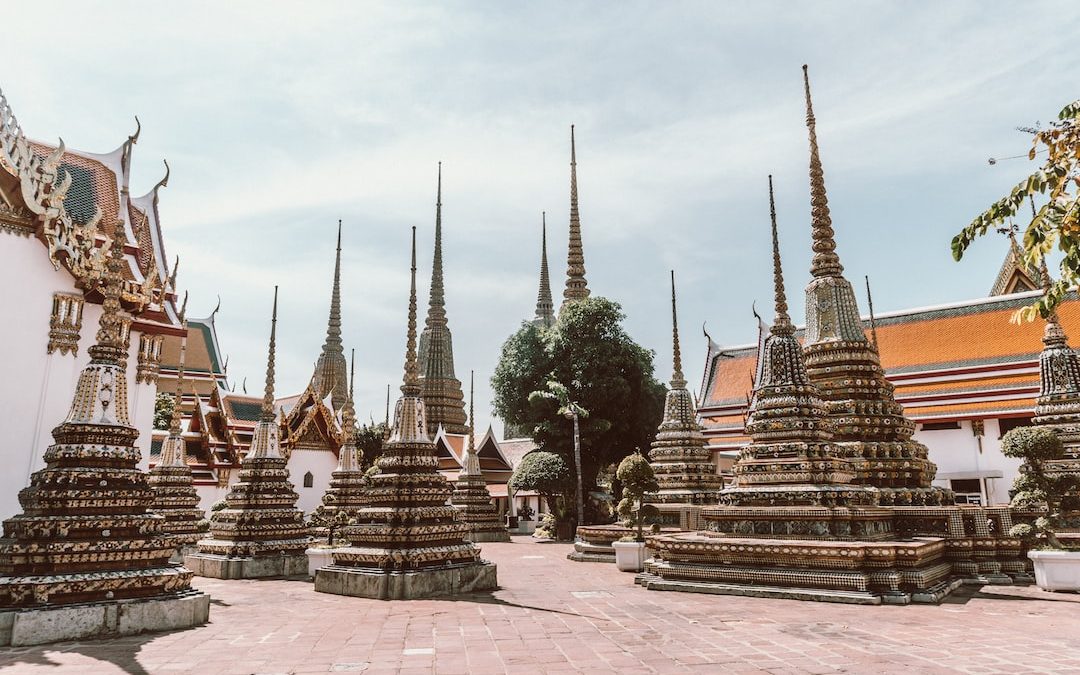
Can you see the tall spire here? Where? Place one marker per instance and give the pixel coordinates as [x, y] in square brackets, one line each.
[268, 393]
[782, 322]
[472, 462]
[678, 380]
[576, 286]
[411, 385]
[825, 263]
[347, 460]
[330, 370]
[437, 299]
[172, 453]
[870, 306]
[545, 308]
[110, 343]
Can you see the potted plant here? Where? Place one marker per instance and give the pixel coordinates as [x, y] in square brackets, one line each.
[1053, 495]
[637, 480]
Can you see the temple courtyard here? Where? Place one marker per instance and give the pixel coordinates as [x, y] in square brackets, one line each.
[554, 615]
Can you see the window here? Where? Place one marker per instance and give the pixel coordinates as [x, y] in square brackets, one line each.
[1007, 424]
[968, 490]
[309, 480]
[940, 426]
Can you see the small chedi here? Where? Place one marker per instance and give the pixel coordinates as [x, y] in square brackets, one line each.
[471, 497]
[86, 558]
[796, 524]
[345, 494]
[175, 498]
[407, 542]
[680, 458]
[1058, 404]
[260, 532]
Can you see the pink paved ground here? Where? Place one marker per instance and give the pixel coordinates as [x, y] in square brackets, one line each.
[553, 615]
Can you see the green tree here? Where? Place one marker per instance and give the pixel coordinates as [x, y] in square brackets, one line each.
[608, 374]
[1057, 222]
[369, 441]
[1038, 488]
[550, 476]
[637, 480]
[163, 410]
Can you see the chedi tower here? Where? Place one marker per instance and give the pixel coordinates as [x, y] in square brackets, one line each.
[86, 558]
[680, 456]
[1058, 404]
[174, 491]
[845, 368]
[260, 532]
[345, 495]
[407, 543]
[471, 496]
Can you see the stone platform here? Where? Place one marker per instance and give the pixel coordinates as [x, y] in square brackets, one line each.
[436, 582]
[594, 541]
[97, 620]
[260, 567]
[863, 572]
[488, 536]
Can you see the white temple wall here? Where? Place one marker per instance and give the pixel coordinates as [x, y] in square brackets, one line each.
[958, 456]
[210, 495]
[320, 463]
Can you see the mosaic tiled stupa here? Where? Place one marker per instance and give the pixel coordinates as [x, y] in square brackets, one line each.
[408, 542]
[577, 287]
[679, 456]
[346, 490]
[439, 386]
[1058, 404]
[796, 524]
[260, 532]
[175, 498]
[844, 366]
[86, 558]
[471, 497]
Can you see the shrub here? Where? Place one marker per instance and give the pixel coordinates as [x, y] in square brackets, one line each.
[1038, 488]
[637, 480]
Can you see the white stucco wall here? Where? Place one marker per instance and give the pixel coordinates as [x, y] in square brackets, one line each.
[321, 463]
[956, 452]
[37, 387]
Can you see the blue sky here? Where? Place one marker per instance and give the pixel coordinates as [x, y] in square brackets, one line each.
[278, 119]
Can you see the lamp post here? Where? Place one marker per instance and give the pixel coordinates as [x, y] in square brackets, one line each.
[572, 413]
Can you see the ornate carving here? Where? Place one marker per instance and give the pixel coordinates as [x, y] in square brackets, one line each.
[146, 370]
[65, 323]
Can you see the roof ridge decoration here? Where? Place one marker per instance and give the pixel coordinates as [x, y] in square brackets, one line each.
[1016, 275]
[43, 190]
[577, 287]
[825, 262]
[545, 306]
[330, 376]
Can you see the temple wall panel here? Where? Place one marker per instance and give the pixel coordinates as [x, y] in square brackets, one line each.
[321, 463]
[957, 456]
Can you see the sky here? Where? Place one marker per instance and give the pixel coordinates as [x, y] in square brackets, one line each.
[280, 118]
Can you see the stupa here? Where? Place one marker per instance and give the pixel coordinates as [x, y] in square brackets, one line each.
[260, 532]
[577, 286]
[175, 498]
[844, 366]
[345, 493]
[1058, 404]
[544, 316]
[796, 524]
[680, 457]
[408, 542]
[329, 376]
[471, 497]
[440, 388]
[86, 558]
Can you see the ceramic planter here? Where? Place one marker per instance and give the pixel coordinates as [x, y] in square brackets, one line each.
[1056, 570]
[629, 555]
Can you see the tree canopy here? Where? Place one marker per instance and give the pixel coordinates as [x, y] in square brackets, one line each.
[164, 403]
[605, 371]
[1057, 222]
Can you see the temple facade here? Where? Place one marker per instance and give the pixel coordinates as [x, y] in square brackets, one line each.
[58, 208]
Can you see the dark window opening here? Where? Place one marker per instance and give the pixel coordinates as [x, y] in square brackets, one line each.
[309, 480]
[1007, 424]
[940, 426]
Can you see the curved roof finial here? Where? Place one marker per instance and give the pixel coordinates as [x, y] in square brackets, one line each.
[164, 182]
[825, 263]
[782, 323]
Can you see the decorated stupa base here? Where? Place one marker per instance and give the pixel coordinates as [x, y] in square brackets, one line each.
[86, 558]
[407, 542]
[473, 502]
[594, 542]
[177, 502]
